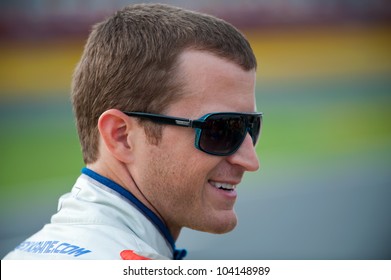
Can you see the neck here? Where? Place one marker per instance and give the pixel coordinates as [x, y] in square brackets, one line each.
[120, 174]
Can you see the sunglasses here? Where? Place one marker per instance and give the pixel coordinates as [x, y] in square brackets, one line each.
[219, 134]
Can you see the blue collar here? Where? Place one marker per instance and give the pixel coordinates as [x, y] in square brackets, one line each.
[178, 254]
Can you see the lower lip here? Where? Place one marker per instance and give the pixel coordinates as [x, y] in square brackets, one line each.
[227, 194]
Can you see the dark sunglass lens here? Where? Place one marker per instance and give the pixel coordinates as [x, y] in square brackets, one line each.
[222, 134]
[255, 130]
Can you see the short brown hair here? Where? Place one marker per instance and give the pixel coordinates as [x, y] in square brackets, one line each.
[129, 63]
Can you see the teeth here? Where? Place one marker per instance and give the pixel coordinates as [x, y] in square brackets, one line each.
[224, 186]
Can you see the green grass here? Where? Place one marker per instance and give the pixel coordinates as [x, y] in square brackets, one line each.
[33, 154]
[328, 130]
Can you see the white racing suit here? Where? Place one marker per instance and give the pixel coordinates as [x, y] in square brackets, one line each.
[99, 219]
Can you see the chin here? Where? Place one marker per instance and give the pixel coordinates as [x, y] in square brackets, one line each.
[223, 224]
[227, 228]
[219, 223]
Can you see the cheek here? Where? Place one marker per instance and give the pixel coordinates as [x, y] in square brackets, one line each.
[178, 158]
[177, 180]
[179, 172]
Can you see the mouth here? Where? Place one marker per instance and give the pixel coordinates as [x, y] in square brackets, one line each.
[223, 186]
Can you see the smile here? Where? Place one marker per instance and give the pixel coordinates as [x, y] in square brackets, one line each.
[223, 186]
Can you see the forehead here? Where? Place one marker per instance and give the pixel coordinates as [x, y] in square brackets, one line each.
[213, 84]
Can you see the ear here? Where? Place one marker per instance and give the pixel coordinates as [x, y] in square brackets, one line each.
[116, 130]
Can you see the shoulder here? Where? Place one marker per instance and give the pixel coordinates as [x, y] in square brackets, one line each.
[82, 242]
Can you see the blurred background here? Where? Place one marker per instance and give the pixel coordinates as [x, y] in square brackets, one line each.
[324, 85]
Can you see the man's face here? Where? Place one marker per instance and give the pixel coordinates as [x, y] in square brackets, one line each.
[182, 182]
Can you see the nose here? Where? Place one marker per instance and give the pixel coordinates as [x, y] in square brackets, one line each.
[245, 156]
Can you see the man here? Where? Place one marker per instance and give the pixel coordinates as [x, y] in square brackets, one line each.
[165, 110]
